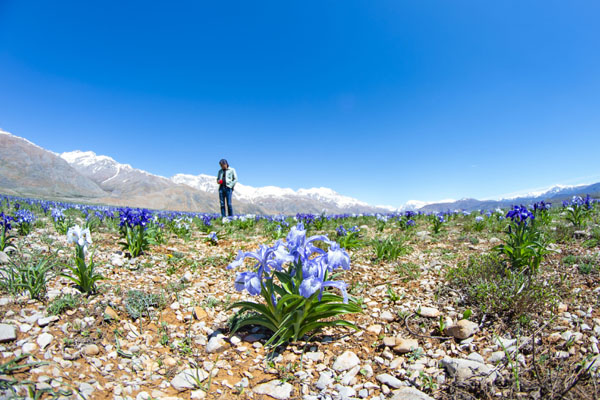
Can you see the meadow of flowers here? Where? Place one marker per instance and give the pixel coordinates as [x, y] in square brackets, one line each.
[253, 298]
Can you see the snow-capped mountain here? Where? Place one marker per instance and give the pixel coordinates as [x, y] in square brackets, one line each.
[114, 177]
[122, 180]
[29, 170]
[252, 194]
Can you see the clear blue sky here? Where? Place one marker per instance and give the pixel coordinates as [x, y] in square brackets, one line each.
[385, 101]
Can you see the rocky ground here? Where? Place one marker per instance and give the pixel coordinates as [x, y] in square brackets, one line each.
[413, 341]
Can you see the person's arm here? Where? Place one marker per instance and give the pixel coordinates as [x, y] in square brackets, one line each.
[219, 176]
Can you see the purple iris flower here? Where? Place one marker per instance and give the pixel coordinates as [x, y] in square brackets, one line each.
[520, 214]
[316, 282]
[248, 280]
[337, 257]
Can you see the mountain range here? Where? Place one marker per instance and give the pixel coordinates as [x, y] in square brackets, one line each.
[29, 170]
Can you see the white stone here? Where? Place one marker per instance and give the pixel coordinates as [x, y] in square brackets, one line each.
[47, 320]
[389, 380]
[44, 340]
[325, 380]
[346, 361]
[467, 369]
[277, 389]
[216, 344]
[29, 347]
[86, 390]
[7, 333]
[387, 316]
[409, 393]
[188, 379]
[428, 312]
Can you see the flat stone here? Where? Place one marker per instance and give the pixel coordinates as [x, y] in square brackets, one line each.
[349, 375]
[199, 313]
[463, 329]
[86, 390]
[476, 357]
[390, 381]
[216, 344]
[376, 329]
[325, 380]
[110, 313]
[405, 345]
[389, 341]
[91, 350]
[316, 356]
[345, 392]
[387, 316]
[47, 320]
[4, 258]
[466, 369]
[7, 333]
[428, 312]
[29, 347]
[169, 362]
[409, 393]
[44, 340]
[276, 389]
[188, 379]
[198, 394]
[33, 318]
[346, 361]
[497, 356]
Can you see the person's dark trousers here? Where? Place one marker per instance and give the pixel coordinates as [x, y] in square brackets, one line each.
[225, 197]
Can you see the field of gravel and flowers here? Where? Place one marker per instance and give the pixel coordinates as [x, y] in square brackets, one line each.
[118, 303]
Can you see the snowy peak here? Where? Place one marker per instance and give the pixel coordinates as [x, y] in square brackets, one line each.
[102, 169]
[252, 194]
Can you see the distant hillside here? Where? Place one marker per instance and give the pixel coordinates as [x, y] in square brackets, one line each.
[29, 170]
[555, 195]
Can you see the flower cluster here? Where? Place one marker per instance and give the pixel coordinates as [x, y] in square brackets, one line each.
[520, 214]
[134, 217]
[24, 216]
[298, 250]
[541, 206]
[57, 214]
[212, 238]
[5, 222]
[342, 231]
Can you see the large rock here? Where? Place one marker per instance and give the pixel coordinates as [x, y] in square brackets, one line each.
[276, 389]
[463, 369]
[346, 361]
[7, 333]
[463, 329]
[188, 379]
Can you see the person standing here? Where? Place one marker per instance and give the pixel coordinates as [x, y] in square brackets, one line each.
[226, 178]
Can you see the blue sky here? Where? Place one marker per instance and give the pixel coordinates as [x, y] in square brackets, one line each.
[385, 101]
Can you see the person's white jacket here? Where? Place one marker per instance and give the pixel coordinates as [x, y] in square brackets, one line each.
[230, 177]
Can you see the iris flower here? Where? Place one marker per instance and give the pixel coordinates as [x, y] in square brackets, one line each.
[81, 237]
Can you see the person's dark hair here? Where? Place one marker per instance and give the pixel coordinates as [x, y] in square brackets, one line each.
[223, 161]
